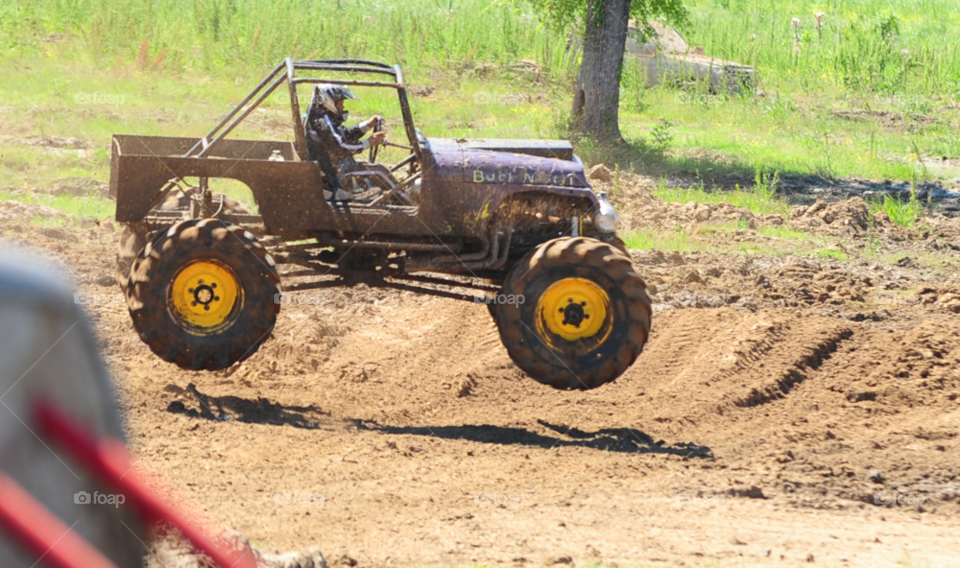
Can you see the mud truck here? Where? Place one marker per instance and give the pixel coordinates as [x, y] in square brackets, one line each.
[469, 219]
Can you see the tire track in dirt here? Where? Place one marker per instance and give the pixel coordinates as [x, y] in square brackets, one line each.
[799, 370]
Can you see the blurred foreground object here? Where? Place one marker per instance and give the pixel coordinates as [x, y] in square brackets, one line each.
[47, 351]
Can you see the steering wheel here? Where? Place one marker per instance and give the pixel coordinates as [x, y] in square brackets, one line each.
[377, 127]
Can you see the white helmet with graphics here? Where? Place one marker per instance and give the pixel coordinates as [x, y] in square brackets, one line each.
[327, 95]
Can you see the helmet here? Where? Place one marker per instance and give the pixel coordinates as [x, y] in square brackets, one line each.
[327, 95]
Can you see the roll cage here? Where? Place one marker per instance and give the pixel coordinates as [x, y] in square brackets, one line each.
[287, 72]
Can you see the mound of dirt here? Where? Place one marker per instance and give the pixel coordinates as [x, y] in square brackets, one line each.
[850, 218]
[640, 208]
[16, 212]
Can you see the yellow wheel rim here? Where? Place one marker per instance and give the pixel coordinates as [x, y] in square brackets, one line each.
[205, 294]
[572, 308]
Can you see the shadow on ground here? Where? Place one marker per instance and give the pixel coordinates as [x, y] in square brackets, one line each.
[262, 411]
[725, 173]
[623, 440]
[259, 411]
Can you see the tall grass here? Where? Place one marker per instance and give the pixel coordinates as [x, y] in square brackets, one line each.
[886, 46]
[879, 46]
[210, 35]
[870, 46]
[903, 213]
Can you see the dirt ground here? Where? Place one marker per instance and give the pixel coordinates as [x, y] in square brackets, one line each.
[786, 411]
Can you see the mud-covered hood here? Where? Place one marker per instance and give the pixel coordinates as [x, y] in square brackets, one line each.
[510, 162]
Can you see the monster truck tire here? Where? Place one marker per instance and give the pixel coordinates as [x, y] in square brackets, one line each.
[564, 283]
[132, 240]
[204, 295]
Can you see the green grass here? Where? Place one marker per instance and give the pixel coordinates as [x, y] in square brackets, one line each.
[80, 207]
[655, 240]
[718, 237]
[743, 133]
[832, 254]
[859, 45]
[903, 213]
[787, 234]
[238, 38]
[795, 122]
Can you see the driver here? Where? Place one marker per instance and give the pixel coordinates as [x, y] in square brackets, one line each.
[330, 142]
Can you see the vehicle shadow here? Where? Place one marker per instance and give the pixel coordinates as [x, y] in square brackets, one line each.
[621, 440]
[259, 411]
[263, 411]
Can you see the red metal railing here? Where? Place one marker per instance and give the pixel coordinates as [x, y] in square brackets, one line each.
[108, 460]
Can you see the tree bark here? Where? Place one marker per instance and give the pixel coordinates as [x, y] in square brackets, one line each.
[596, 100]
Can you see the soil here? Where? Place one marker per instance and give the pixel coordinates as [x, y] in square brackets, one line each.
[786, 411]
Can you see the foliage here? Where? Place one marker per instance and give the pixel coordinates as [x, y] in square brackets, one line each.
[250, 36]
[765, 184]
[903, 213]
[889, 47]
[564, 14]
[662, 135]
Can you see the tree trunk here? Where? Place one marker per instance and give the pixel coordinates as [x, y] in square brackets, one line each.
[596, 101]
